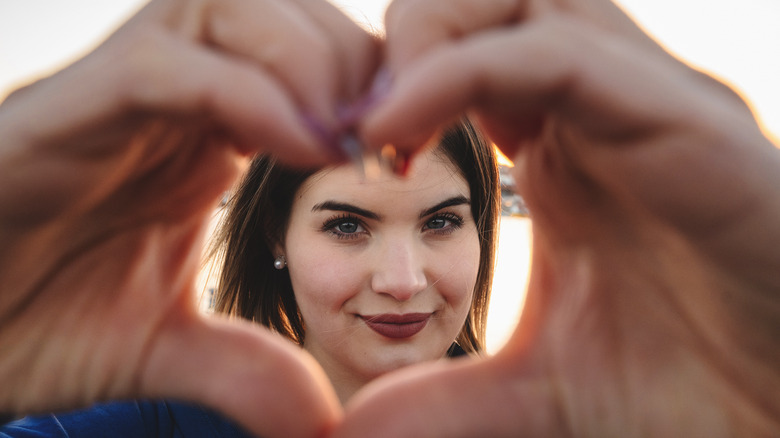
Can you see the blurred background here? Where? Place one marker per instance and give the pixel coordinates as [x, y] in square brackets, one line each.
[738, 42]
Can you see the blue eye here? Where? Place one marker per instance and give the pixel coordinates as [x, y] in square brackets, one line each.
[348, 227]
[344, 227]
[437, 223]
[444, 223]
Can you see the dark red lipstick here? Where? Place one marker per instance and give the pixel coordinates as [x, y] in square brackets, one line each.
[395, 326]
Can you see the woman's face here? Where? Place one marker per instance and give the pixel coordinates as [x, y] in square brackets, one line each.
[383, 271]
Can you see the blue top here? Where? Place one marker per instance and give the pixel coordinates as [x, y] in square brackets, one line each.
[136, 419]
[131, 419]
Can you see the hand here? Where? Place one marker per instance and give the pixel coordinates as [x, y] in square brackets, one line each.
[653, 306]
[109, 171]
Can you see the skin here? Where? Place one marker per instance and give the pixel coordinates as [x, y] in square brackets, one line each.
[653, 306]
[389, 260]
[109, 172]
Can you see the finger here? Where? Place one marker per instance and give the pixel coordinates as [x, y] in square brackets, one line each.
[257, 378]
[552, 65]
[157, 73]
[282, 37]
[450, 400]
[358, 52]
[261, 112]
[508, 68]
[414, 27]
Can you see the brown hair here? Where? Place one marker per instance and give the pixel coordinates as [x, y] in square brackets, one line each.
[258, 213]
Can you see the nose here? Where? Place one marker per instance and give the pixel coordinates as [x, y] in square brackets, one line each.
[399, 271]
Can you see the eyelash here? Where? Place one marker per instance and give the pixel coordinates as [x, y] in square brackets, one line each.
[456, 222]
[331, 225]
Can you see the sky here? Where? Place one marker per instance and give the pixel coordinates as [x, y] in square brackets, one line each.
[738, 41]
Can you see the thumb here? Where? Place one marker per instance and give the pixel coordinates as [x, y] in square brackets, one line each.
[453, 400]
[255, 377]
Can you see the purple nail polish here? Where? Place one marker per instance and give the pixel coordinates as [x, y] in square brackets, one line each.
[329, 139]
[382, 84]
[350, 115]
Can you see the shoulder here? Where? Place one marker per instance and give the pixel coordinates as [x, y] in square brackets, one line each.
[131, 419]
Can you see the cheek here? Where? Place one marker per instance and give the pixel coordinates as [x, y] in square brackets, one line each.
[321, 280]
[457, 274]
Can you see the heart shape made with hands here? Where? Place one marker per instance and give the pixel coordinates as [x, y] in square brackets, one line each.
[641, 316]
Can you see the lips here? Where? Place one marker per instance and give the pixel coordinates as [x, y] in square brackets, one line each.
[395, 326]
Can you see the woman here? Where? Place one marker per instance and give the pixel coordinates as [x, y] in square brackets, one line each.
[652, 306]
[351, 270]
[367, 276]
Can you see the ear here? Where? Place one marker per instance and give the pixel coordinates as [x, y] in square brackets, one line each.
[277, 249]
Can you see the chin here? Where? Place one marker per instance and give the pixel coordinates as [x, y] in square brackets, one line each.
[389, 363]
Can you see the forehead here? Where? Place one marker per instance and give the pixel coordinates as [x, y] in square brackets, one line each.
[431, 175]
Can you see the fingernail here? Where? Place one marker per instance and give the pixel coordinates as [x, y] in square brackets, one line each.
[380, 89]
[382, 84]
[394, 161]
[351, 114]
[329, 139]
[401, 164]
[351, 147]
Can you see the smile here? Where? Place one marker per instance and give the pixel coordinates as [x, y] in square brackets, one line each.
[395, 326]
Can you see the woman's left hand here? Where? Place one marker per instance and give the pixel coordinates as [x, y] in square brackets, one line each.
[109, 173]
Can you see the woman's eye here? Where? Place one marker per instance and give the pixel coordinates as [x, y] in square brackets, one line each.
[344, 227]
[445, 223]
[438, 223]
[348, 227]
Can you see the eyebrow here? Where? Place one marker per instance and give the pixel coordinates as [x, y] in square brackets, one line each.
[343, 206]
[451, 202]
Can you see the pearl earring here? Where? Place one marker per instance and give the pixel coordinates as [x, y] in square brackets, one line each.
[280, 262]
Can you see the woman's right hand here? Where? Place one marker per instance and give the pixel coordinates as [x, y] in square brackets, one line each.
[653, 305]
[109, 171]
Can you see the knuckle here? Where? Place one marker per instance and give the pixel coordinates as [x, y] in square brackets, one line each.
[138, 63]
